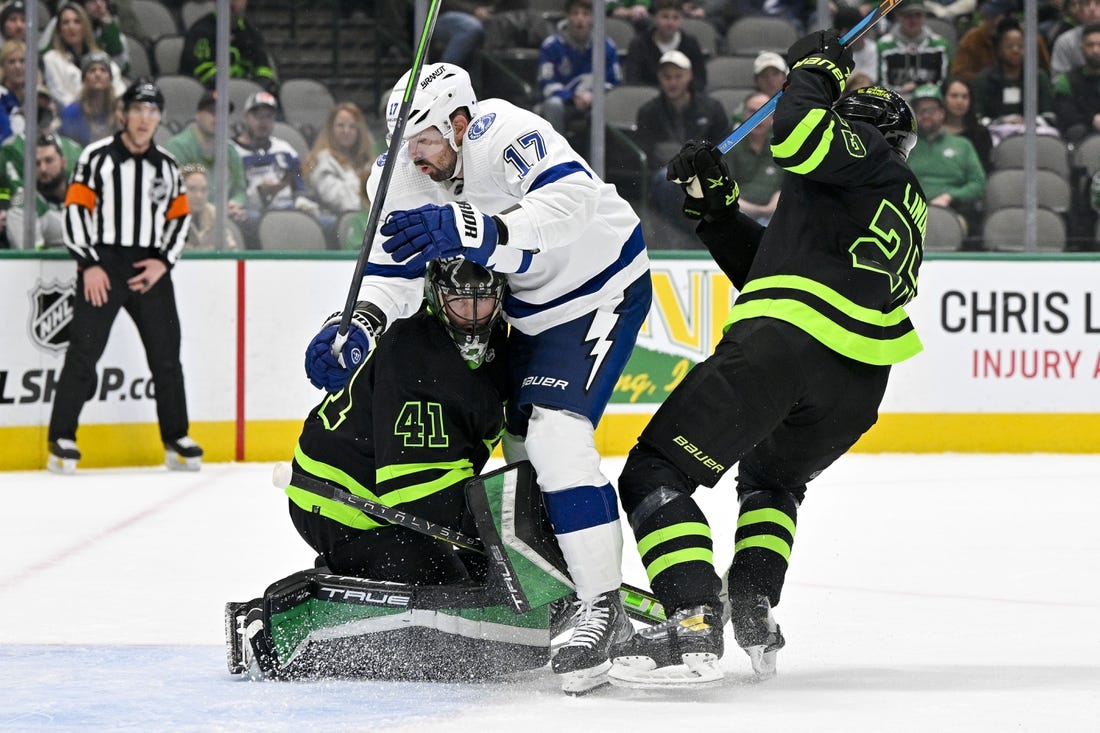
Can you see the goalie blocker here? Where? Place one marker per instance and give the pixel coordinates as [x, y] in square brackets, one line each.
[316, 624]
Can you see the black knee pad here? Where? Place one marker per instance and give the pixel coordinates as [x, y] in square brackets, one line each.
[647, 472]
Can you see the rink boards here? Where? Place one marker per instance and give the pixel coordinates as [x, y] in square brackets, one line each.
[1011, 360]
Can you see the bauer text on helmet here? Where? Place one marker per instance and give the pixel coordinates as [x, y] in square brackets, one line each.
[442, 89]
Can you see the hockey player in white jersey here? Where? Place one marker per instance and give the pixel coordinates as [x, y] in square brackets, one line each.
[496, 184]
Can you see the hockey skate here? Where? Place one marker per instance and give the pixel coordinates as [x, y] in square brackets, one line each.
[755, 630]
[63, 456]
[247, 649]
[183, 454]
[583, 661]
[684, 650]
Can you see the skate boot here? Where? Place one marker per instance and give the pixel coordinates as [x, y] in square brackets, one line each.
[756, 632]
[183, 454]
[582, 661]
[63, 456]
[561, 615]
[683, 650]
[248, 650]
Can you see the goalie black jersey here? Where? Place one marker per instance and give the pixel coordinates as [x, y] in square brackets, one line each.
[414, 422]
[840, 257]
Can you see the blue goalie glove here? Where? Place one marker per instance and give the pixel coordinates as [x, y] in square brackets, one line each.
[457, 229]
[331, 373]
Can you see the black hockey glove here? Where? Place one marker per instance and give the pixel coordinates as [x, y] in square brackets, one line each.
[822, 52]
[709, 192]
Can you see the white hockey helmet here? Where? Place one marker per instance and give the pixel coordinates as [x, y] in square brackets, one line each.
[443, 89]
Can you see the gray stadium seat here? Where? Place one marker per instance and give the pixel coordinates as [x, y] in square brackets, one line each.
[724, 72]
[704, 32]
[1087, 154]
[166, 54]
[731, 100]
[621, 105]
[181, 98]
[619, 31]
[1004, 230]
[290, 230]
[239, 92]
[945, 230]
[156, 20]
[306, 104]
[297, 141]
[139, 58]
[755, 33]
[192, 10]
[1050, 152]
[1005, 189]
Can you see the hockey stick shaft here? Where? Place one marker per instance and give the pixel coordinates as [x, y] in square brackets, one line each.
[639, 603]
[384, 182]
[761, 114]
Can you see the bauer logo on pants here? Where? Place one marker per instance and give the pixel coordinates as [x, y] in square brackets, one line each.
[51, 314]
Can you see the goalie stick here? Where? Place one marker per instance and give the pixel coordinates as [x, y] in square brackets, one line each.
[761, 114]
[638, 603]
[384, 182]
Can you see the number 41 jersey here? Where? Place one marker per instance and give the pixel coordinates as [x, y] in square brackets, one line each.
[841, 254]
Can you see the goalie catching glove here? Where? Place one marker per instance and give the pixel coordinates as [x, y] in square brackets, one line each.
[457, 229]
[331, 373]
[709, 191]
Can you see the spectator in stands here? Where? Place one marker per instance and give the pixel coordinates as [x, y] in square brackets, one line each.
[649, 44]
[5, 206]
[248, 54]
[565, 72]
[998, 90]
[52, 183]
[12, 77]
[769, 72]
[946, 165]
[72, 41]
[960, 119]
[338, 165]
[752, 166]
[792, 11]
[953, 11]
[911, 54]
[864, 48]
[195, 144]
[460, 30]
[272, 169]
[92, 117]
[11, 152]
[201, 235]
[1077, 92]
[677, 114]
[977, 50]
[108, 33]
[13, 21]
[1066, 54]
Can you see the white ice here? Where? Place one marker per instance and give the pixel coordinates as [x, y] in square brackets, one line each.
[926, 593]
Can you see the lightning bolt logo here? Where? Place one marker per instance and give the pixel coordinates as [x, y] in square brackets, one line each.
[599, 335]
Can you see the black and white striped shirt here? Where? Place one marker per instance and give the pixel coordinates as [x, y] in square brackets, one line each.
[116, 198]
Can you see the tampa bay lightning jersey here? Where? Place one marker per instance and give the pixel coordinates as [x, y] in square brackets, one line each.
[514, 165]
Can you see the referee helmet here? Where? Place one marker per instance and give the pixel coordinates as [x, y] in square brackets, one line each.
[143, 90]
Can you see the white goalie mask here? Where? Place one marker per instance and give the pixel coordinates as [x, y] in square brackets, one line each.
[443, 88]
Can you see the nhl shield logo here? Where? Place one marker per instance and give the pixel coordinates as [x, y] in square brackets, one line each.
[51, 314]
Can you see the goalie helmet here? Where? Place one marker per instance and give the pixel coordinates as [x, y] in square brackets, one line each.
[443, 88]
[885, 109]
[467, 299]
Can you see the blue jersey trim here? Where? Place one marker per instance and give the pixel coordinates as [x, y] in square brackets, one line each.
[411, 269]
[581, 507]
[559, 171]
[633, 247]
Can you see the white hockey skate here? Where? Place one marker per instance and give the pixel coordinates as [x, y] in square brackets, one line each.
[63, 457]
[183, 454]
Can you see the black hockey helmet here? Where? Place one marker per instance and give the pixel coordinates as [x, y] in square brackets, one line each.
[143, 90]
[885, 109]
[467, 299]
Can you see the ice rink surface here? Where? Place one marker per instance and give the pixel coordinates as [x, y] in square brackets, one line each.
[926, 593]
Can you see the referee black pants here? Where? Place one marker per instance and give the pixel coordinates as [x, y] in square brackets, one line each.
[154, 313]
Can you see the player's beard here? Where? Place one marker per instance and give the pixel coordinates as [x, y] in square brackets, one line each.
[445, 171]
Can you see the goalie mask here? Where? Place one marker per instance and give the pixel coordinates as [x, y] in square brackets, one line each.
[443, 89]
[885, 109]
[467, 299]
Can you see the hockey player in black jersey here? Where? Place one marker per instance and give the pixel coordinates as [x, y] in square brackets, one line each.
[415, 421]
[800, 372]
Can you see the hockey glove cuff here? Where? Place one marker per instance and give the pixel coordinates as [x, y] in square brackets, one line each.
[823, 53]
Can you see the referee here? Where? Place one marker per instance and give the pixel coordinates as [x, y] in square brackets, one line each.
[126, 219]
